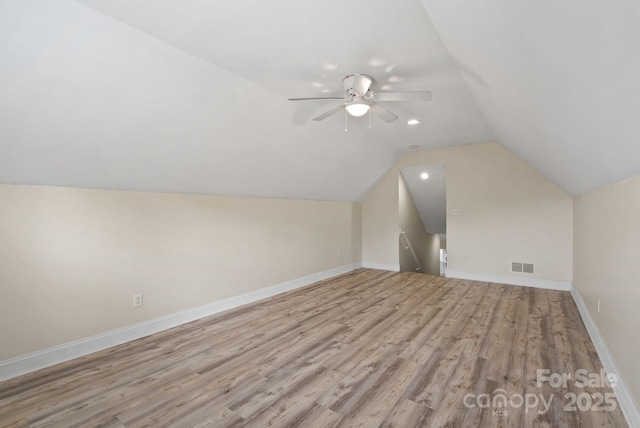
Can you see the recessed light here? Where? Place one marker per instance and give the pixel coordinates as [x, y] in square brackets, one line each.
[413, 122]
[424, 175]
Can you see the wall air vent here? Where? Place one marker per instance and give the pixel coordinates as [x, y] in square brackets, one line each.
[521, 267]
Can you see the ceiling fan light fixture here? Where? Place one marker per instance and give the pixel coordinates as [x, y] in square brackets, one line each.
[357, 108]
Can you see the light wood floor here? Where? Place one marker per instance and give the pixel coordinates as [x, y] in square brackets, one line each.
[369, 348]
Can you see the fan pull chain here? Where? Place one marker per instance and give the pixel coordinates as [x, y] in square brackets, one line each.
[345, 120]
[369, 118]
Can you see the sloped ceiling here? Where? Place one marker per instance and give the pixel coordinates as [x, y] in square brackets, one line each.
[557, 81]
[191, 95]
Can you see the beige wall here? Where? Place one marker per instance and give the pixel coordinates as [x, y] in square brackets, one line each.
[511, 213]
[425, 245]
[432, 261]
[381, 222]
[71, 259]
[607, 248]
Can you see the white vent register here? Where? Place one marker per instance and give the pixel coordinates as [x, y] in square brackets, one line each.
[522, 267]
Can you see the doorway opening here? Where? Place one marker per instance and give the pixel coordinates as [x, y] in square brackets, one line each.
[423, 219]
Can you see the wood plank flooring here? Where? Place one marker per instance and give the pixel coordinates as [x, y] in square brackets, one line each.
[369, 348]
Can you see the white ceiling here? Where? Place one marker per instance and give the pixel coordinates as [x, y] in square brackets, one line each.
[557, 81]
[429, 196]
[191, 95]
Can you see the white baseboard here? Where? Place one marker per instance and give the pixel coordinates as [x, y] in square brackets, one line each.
[49, 357]
[511, 280]
[381, 266]
[627, 403]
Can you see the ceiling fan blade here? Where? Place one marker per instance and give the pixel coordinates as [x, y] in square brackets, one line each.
[403, 96]
[316, 98]
[361, 84]
[383, 113]
[326, 114]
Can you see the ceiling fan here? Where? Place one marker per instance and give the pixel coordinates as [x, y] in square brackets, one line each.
[359, 98]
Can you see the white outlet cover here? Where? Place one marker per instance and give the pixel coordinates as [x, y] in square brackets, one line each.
[137, 300]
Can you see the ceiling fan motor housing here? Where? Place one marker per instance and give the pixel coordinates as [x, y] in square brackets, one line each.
[357, 84]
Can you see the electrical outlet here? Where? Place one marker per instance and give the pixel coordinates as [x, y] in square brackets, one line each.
[137, 300]
[456, 211]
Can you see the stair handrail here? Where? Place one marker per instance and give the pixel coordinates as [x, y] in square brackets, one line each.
[409, 247]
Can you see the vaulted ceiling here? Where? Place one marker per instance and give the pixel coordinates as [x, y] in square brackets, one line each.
[191, 95]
